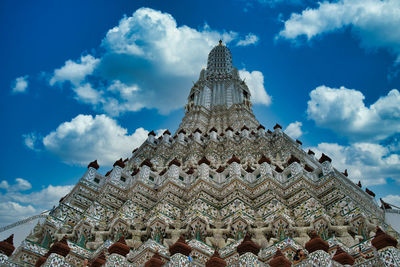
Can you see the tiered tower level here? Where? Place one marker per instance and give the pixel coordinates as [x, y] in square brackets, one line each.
[219, 177]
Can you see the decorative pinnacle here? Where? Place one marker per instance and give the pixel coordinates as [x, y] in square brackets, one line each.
[220, 42]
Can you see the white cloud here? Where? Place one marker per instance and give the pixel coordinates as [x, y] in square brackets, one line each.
[392, 199]
[11, 212]
[249, 40]
[86, 138]
[16, 205]
[147, 61]
[20, 84]
[123, 98]
[75, 72]
[155, 36]
[368, 162]
[4, 184]
[294, 129]
[343, 110]
[20, 185]
[86, 94]
[47, 197]
[148, 51]
[375, 22]
[30, 140]
[255, 82]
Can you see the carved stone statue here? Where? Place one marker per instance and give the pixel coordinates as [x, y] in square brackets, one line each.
[175, 232]
[259, 232]
[36, 233]
[137, 234]
[217, 238]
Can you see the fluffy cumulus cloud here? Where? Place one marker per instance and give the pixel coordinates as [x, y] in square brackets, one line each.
[371, 163]
[20, 85]
[375, 22]
[255, 82]
[17, 204]
[75, 72]
[11, 212]
[86, 138]
[86, 94]
[147, 61]
[19, 185]
[344, 111]
[248, 40]
[294, 129]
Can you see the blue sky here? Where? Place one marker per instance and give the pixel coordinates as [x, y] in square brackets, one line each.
[85, 80]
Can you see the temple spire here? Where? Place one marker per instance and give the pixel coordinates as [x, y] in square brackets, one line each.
[218, 88]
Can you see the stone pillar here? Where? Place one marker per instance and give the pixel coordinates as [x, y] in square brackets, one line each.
[295, 169]
[326, 163]
[144, 172]
[265, 169]
[234, 169]
[229, 132]
[90, 174]
[261, 130]
[327, 167]
[213, 134]
[117, 169]
[197, 135]
[166, 136]
[150, 137]
[173, 172]
[181, 136]
[245, 131]
[278, 128]
[204, 171]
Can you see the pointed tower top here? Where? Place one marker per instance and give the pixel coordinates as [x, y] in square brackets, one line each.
[219, 61]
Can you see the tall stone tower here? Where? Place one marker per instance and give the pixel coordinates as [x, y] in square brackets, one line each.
[221, 191]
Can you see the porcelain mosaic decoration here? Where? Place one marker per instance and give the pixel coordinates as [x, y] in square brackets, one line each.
[218, 178]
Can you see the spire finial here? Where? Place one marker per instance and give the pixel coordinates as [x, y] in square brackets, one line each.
[220, 42]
